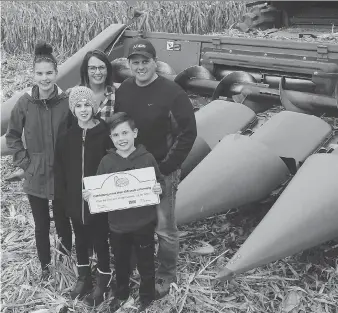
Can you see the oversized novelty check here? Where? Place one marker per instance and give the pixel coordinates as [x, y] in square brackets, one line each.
[121, 190]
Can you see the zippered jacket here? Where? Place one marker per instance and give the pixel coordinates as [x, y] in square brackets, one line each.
[78, 154]
[42, 121]
[128, 220]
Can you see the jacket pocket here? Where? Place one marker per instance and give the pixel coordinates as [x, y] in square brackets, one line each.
[27, 133]
[35, 171]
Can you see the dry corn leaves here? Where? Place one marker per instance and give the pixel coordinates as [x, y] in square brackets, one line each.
[292, 302]
[285, 34]
[305, 283]
[72, 24]
[204, 249]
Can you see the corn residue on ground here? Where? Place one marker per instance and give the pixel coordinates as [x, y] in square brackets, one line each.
[306, 282]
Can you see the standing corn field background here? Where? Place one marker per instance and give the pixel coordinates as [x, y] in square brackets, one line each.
[306, 282]
[69, 25]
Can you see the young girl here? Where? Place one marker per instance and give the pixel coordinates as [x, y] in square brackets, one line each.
[43, 114]
[78, 154]
[97, 74]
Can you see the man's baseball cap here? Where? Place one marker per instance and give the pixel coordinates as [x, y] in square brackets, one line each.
[142, 47]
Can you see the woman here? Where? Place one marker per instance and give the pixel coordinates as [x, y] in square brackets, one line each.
[43, 114]
[97, 74]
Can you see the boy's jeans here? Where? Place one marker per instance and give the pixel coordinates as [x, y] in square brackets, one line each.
[166, 230]
[143, 242]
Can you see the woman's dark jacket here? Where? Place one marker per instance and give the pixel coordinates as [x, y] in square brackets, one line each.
[70, 157]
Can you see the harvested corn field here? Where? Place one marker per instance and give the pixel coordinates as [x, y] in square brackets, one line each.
[304, 283]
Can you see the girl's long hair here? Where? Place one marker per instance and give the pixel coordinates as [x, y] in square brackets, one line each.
[84, 67]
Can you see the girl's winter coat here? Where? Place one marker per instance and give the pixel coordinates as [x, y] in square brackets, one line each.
[42, 121]
[78, 154]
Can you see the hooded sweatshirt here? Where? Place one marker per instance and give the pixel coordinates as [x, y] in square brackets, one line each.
[128, 220]
[42, 121]
[78, 154]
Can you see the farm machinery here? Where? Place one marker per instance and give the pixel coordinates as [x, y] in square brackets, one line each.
[263, 134]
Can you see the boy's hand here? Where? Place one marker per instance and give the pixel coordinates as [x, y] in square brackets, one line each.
[157, 189]
[86, 194]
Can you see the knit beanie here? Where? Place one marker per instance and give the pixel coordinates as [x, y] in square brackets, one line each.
[79, 93]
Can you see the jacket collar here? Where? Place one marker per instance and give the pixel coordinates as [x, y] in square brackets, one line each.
[140, 150]
[53, 99]
[99, 128]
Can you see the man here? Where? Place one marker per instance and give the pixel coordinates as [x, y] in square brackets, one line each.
[166, 122]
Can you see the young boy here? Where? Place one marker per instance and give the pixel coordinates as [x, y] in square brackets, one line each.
[134, 226]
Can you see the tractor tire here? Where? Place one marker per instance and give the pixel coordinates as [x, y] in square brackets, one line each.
[261, 17]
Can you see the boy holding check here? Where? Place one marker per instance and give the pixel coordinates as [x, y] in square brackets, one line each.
[133, 226]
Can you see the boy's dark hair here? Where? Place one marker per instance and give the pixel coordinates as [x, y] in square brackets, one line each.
[84, 67]
[119, 118]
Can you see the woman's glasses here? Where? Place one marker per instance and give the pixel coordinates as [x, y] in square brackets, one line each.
[93, 69]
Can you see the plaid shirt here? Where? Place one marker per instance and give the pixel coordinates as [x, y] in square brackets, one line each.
[106, 108]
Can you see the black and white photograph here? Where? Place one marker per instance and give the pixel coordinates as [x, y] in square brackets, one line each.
[169, 156]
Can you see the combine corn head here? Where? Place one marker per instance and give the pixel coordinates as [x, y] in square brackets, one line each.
[262, 134]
